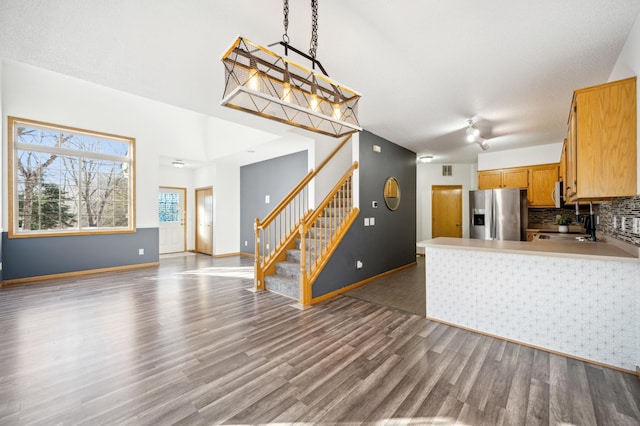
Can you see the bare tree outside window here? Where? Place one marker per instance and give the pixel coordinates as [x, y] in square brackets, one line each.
[69, 180]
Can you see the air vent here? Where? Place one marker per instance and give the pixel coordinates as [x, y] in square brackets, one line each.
[447, 170]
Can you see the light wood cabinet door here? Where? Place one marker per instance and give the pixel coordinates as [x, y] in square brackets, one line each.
[605, 132]
[490, 179]
[515, 178]
[542, 186]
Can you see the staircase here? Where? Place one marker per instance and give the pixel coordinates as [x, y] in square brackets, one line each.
[286, 280]
[294, 243]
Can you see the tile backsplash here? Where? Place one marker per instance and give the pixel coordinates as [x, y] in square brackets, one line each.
[618, 208]
[549, 215]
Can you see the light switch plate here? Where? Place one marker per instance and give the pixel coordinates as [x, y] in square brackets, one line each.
[366, 221]
[267, 199]
[372, 221]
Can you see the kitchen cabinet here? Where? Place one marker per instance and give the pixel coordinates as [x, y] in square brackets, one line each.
[539, 181]
[601, 142]
[542, 183]
[504, 178]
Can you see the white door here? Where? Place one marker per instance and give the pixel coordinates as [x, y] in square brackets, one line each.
[171, 209]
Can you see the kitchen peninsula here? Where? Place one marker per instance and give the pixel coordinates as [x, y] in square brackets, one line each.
[574, 298]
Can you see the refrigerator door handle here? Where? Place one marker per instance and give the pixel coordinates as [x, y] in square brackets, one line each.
[492, 225]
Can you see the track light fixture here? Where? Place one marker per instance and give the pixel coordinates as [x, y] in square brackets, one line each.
[473, 135]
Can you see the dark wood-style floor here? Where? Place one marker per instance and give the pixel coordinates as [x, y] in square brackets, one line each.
[186, 343]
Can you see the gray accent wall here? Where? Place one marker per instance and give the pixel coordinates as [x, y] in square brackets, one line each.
[391, 242]
[32, 257]
[275, 178]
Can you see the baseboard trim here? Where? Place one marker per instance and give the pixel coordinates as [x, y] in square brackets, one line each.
[238, 253]
[551, 351]
[359, 283]
[242, 253]
[39, 278]
[638, 371]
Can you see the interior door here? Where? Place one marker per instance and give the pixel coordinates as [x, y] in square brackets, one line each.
[446, 211]
[171, 209]
[204, 221]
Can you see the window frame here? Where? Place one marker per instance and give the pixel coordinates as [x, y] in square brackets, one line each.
[14, 147]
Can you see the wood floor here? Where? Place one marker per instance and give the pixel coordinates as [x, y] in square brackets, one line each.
[186, 343]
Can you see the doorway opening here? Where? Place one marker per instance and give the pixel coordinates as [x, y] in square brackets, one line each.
[172, 211]
[204, 220]
[446, 211]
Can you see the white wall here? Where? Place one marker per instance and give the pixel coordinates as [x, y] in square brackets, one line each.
[428, 175]
[159, 130]
[182, 178]
[225, 181]
[541, 154]
[628, 65]
[329, 175]
[38, 94]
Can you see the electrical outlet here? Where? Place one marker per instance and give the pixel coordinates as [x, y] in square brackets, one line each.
[267, 199]
[140, 252]
[245, 243]
[374, 204]
[358, 264]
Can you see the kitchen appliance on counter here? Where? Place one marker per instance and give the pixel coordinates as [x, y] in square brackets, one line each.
[498, 214]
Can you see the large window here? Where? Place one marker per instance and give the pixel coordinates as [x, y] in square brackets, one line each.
[69, 181]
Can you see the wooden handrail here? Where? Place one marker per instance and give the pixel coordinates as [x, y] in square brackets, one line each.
[307, 224]
[292, 194]
[323, 245]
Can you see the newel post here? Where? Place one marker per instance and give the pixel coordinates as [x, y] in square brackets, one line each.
[258, 272]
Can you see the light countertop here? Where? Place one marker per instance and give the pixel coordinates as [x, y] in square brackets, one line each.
[569, 249]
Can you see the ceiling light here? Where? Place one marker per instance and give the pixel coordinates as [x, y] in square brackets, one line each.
[177, 164]
[473, 135]
[472, 132]
[261, 82]
[425, 158]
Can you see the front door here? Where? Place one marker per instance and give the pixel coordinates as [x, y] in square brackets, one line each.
[446, 211]
[171, 208]
[204, 220]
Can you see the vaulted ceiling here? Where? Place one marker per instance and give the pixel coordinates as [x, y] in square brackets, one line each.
[423, 66]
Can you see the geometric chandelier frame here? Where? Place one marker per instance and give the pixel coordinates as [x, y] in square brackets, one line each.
[264, 83]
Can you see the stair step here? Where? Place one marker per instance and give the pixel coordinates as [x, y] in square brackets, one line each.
[293, 255]
[288, 269]
[285, 286]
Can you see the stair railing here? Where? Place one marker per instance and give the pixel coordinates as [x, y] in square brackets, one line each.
[321, 232]
[278, 230]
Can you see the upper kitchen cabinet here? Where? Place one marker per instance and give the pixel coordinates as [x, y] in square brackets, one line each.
[601, 142]
[504, 178]
[542, 185]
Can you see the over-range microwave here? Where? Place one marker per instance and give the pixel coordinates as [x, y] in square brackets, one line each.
[557, 195]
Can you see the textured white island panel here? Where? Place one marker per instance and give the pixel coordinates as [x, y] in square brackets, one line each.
[581, 307]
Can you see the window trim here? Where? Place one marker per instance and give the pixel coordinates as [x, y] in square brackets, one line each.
[12, 149]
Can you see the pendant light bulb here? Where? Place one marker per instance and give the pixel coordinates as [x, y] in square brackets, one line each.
[254, 77]
[287, 94]
[314, 102]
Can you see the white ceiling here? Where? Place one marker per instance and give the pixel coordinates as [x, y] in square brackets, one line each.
[423, 67]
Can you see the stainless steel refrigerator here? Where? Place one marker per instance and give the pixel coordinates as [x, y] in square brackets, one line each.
[498, 214]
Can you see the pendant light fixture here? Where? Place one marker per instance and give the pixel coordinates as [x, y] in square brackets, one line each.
[261, 82]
